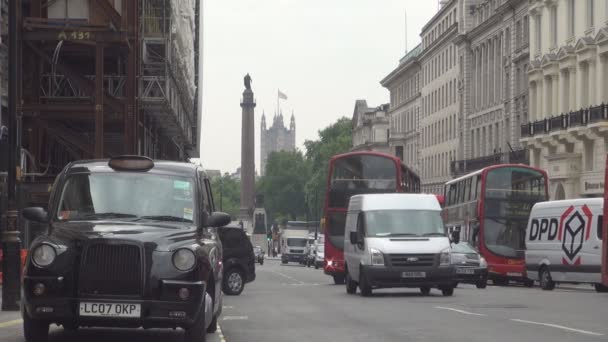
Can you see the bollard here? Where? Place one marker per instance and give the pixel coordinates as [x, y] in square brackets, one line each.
[11, 263]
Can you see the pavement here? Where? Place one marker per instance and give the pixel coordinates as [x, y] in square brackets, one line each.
[294, 303]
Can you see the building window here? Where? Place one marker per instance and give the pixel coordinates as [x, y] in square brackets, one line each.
[590, 7]
[553, 26]
[571, 18]
[589, 155]
[537, 34]
[526, 30]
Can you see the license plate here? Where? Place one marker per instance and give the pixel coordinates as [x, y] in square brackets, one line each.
[465, 271]
[110, 310]
[413, 275]
[514, 274]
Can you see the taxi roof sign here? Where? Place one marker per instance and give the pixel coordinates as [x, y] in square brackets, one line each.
[131, 163]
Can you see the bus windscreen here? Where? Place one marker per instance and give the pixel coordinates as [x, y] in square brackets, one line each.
[509, 196]
[361, 174]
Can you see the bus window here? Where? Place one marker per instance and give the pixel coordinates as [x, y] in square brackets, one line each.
[467, 189]
[478, 187]
[461, 192]
[453, 192]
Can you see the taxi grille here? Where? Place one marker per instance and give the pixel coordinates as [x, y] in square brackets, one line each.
[111, 270]
[399, 260]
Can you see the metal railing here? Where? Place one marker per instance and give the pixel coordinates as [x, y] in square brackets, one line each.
[577, 118]
[461, 167]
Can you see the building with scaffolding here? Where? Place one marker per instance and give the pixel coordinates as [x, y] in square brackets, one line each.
[100, 78]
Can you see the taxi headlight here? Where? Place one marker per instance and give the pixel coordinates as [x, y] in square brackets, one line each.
[44, 255]
[482, 262]
[184, 259]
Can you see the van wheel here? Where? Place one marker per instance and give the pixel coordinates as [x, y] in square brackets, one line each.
[351, 285]
[364, 286]
[601, 288]
[447, 291]
[338, 279]
[425, 290]
[545, 280]
[233, 283]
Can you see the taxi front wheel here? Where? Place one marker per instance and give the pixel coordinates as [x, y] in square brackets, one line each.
[35, 330]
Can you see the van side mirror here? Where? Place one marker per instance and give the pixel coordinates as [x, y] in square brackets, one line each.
[353, 238]
[218, 219]
[456, 236]
[35, 214]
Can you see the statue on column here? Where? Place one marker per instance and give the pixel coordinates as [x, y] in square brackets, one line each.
[247, 81]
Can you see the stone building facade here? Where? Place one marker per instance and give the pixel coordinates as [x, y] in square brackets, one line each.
[370, 127]
[403, 84]
[276, 138]
[440, 113]
[494, 57]
[567, 130]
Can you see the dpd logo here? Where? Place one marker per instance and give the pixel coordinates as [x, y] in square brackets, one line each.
[574, 230]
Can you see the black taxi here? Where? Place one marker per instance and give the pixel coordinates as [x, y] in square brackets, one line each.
[131, 242]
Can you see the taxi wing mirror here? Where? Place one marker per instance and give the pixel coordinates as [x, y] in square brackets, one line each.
[218, 219]
[36, 214]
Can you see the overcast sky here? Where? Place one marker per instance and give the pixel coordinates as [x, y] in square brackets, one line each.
[323, 54]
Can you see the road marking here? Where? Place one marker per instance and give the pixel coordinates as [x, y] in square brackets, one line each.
[221, 334]
[558, 327]
[10, 323]
[235, 318]
[227, 307]
[288, 277]
[459, 311]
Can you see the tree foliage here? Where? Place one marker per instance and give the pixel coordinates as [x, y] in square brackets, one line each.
[283, 185]
[227, 194]
[334, 139]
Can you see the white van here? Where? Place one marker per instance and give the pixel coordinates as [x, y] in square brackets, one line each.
[563, 242]
[397, 240]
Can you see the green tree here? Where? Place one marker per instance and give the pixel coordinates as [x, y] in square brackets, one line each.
[227, 194]
[283, 185]
[334, 139]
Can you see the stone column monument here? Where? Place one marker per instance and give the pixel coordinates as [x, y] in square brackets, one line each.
[247, 156]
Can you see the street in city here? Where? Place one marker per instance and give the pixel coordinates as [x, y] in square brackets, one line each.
[294, 303]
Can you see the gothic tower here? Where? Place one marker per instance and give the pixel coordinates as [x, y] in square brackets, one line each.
[276, 138]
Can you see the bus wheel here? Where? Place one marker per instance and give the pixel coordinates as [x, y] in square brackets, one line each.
[500, 282]
[338, 279]
[529, 283]
[425, 290]
[546, 282]
[601, 288]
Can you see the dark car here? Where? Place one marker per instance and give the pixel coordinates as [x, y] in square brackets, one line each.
[239, 260]
[131, 242]
[470, 267]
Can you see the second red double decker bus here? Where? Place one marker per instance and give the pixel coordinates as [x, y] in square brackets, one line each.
[491, 208]
[351, 174]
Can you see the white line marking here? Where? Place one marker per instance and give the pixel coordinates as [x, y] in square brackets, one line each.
[10, 323]
[288, 277]
[558, 327]
[228, 307]
[459, 311]
[221, 334]
[235, 318]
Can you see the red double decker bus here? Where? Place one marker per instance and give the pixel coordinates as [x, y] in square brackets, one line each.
[491, 208]
[352, 174]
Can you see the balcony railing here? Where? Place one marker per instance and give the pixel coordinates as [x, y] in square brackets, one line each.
[577, 118]
[60, 87]
[462, 167]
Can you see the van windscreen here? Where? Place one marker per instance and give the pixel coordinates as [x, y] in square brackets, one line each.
[380, 223]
